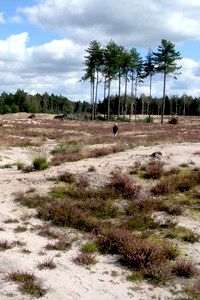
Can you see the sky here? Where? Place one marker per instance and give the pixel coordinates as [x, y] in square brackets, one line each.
[43, 42]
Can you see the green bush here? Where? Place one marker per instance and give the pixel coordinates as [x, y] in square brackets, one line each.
[40, 163]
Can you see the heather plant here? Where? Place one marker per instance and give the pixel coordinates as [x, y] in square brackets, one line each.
[19, 229]
[183, 268]
[134, 252]
[158, 274]
[31, 201]
[48, 263]
[70, 151]
[47, 231]
[102, 209]
[140, 214]
[177, 183]
[25, 250]
[66, 148]
[106, 150]
[68, 214]
[28, 283]
[123, 185]
[28, 168]
[61, 158]
[85, 259]
[111, 239]
[82, 182]
[61, 245]
[139, 254]
[153, 170]
[5, 245]
[170, 206]
[182, 234]
[11, 221]
[135, 168]
[193, 289]
[169, 250]
[191, 237]
[67, 177]
[91, 169]
[142, 204]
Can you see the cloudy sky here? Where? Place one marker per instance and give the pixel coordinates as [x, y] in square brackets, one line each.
[43, 42]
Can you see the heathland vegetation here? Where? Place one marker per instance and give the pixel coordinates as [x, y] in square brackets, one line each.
[131, 213]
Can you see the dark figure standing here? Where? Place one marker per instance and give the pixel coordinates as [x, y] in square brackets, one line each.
[115, 130]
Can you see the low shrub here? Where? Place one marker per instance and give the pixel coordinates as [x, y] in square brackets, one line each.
[158, 274]
[28, 168]
[31, 201]
[85, 258]
[20, 229]
[193, 289]
[145, 204]
[110, 240]
[191, 237]
[47, 231]
[5, 245]
[177, 183]
[89, 248]
[183, 268]
[170, 250]
[139, 254]
[91, 169]
[60, 245]
[135, 168]
[61, 158]
[28, 283]
[122, 185]
[139, 221]
[40, 163]
[48, 263]
[153, 170]
[67, 177]
[170, 207]
[68, 214]
[83, 182]
[183, 234]
[20, 165]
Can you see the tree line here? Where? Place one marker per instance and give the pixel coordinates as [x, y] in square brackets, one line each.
[45, 103]
[174, 105]
[113, 62]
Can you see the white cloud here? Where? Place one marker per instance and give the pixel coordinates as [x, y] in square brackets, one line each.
[13, 48]
[141, 23]
[52, 67]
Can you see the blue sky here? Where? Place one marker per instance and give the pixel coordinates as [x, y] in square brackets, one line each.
[43, 42]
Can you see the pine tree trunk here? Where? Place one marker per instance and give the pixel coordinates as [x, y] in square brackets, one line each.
[163, 102]
[119, 102]
[96, 93]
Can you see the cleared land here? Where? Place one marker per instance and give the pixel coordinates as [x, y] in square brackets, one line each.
[79, 228]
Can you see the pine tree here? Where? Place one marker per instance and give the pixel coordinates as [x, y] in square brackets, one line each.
[166, 62]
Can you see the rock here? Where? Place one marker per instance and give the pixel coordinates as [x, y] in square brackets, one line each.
[157, 154]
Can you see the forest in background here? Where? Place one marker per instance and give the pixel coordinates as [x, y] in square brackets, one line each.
[53, 104]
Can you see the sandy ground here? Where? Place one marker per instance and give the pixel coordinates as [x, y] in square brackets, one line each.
[105, 280]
